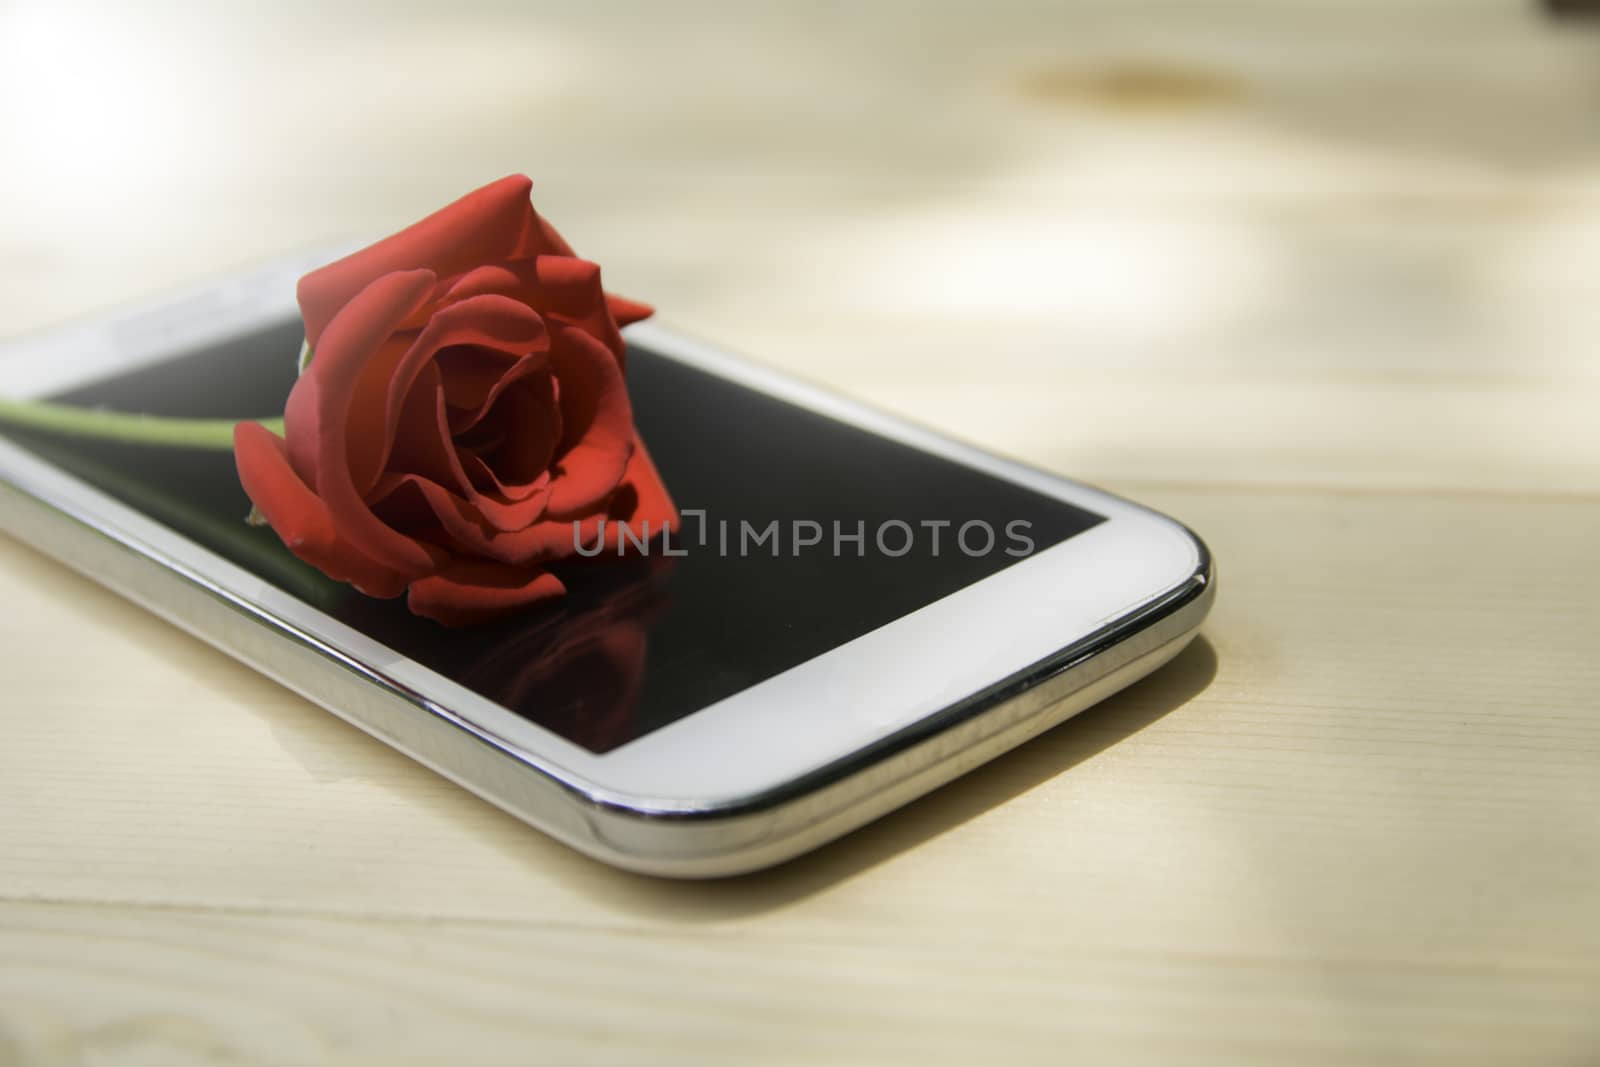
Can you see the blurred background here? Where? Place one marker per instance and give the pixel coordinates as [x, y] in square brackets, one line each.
[1333, 242]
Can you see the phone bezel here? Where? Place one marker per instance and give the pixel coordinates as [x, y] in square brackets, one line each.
[787, 728]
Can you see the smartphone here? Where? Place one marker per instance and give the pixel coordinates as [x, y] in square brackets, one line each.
[854, 611]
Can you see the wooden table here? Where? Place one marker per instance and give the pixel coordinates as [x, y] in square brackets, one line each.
[1322, 279]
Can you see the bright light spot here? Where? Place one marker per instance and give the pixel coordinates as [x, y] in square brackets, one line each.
[87, 98]
[1127, 278]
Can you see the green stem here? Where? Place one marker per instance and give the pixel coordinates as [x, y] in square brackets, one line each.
[117, 426]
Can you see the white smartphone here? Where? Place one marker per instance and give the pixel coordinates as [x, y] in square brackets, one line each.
[856, 610]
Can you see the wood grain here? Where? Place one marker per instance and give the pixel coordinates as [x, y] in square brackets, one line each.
[1321, 279]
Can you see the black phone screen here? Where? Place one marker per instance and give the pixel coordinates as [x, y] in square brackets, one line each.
[637, 643]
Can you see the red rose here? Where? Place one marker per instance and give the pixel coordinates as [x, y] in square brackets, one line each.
[465, 406]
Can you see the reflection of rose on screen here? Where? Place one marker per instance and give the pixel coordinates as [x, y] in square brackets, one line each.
[579, 673]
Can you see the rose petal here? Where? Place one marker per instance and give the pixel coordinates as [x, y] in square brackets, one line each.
[470, 374]
[564, 288]
[425, 448]
[422, 443]
[627, 312]
[317, 417]
[368, 432]
[528, 421]
[652, 504]
[491, 322]
[640, 500]
[463, 418]
[597, 424]
[493, 223]
[417, 503]
[299, 518]
[467, 593]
